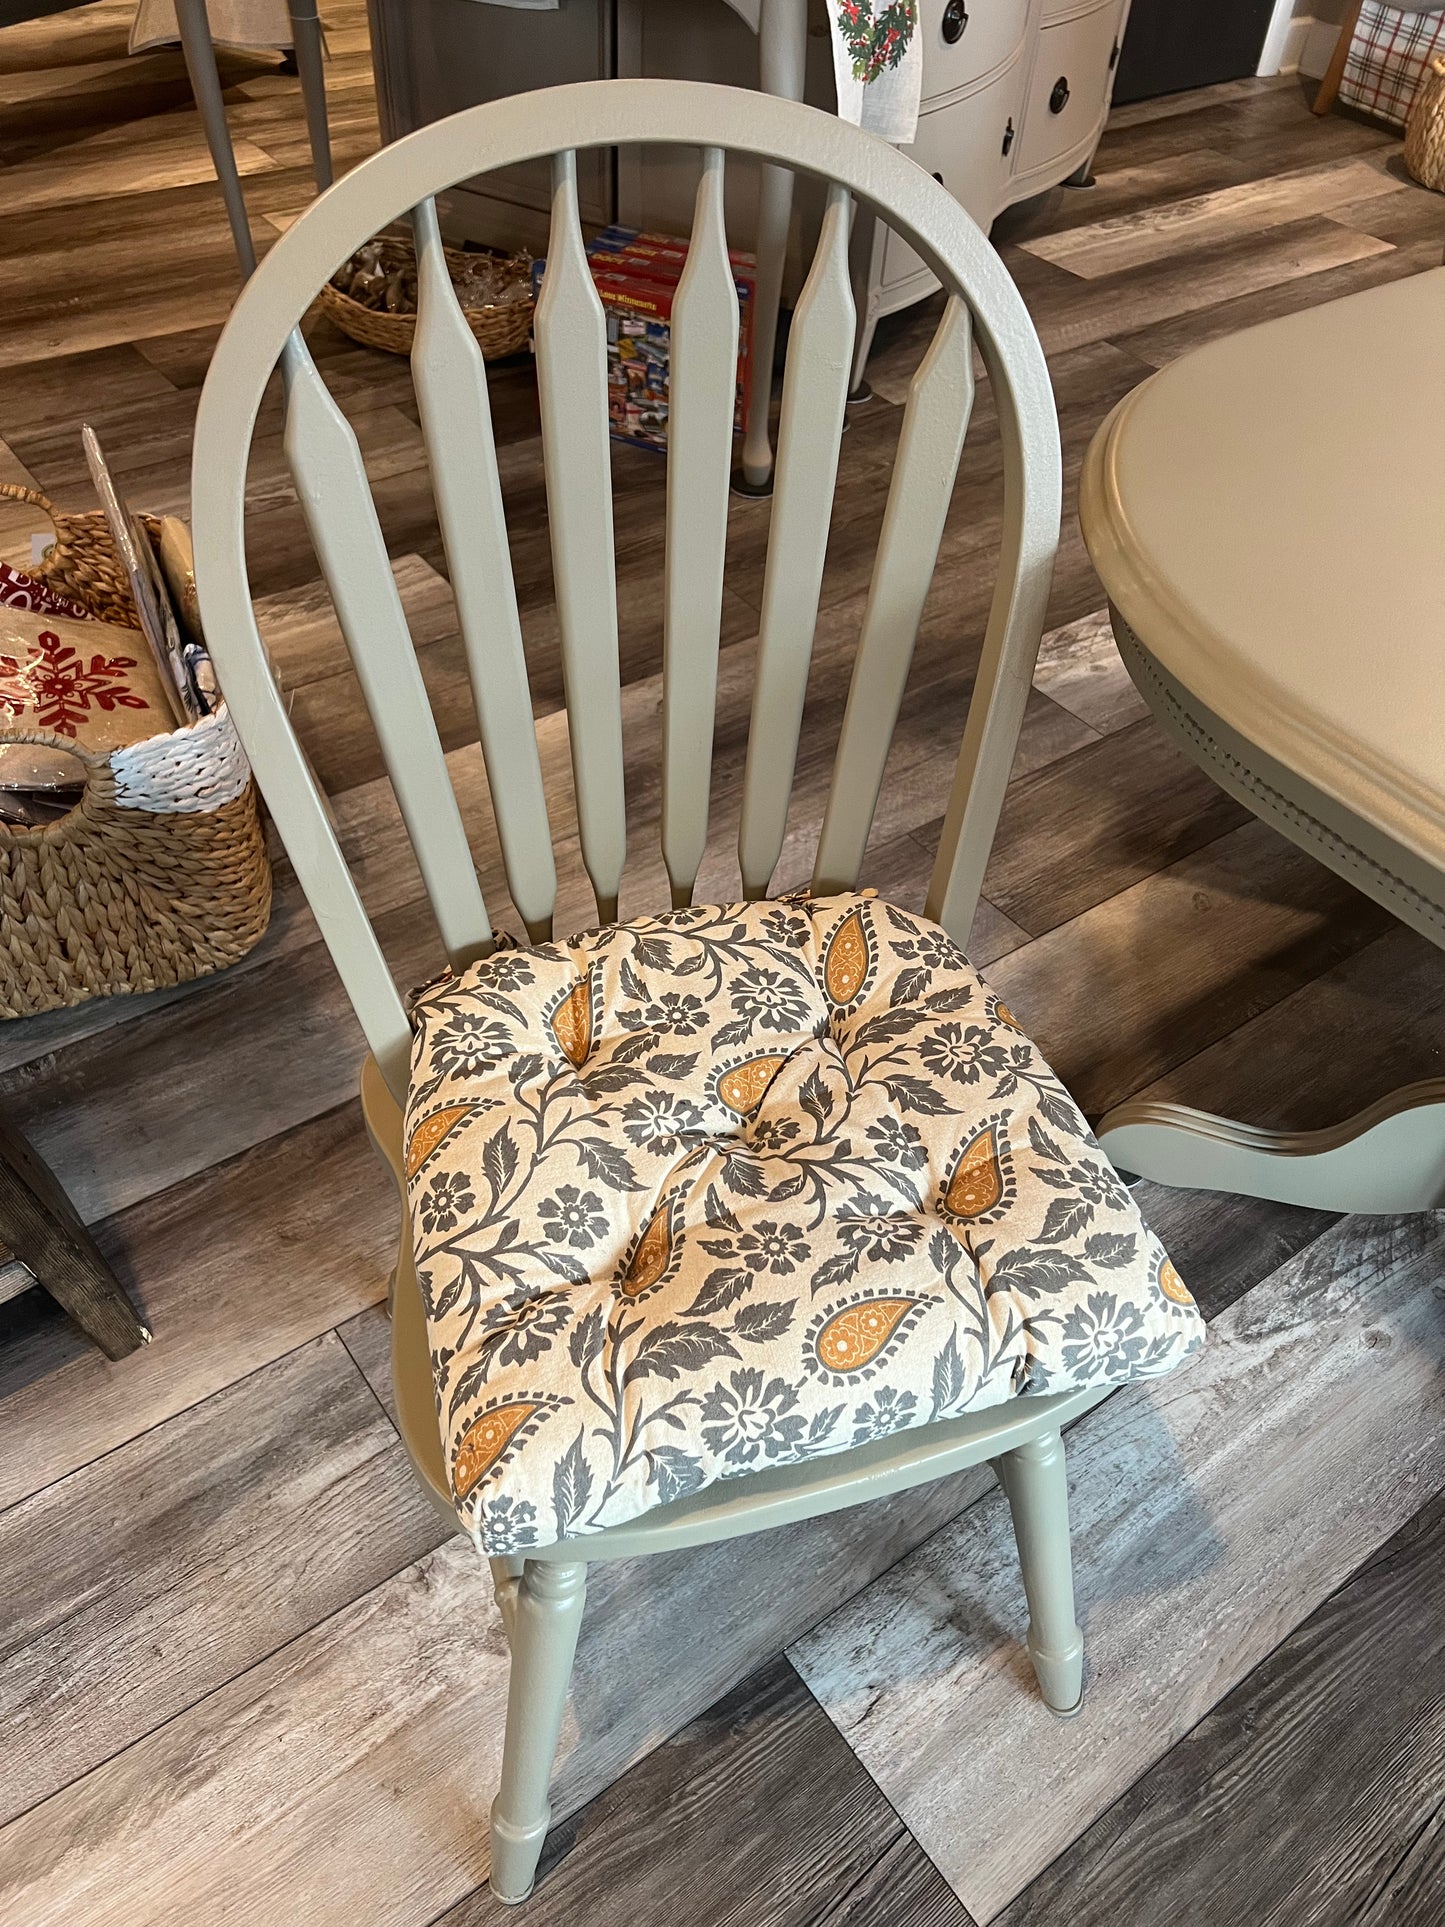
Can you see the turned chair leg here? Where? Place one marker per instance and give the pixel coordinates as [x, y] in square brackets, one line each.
[1034, 1480]
[546, 1615]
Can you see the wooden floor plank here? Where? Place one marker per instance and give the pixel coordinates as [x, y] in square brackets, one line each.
[1371, 1023]
[1069, 314]
[1079, 667]
[755, 1812]
[231, 1272]
[1090, 825]
[1313, 1793]
[1212, 1512]
[160, 1571]
[1140, 984]
[347, 1777]
[1153, 233]
[1158, 343]
[168, 150]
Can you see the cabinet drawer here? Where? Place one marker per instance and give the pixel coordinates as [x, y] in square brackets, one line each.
[1068, 87]
[964, 40]
[962, 145]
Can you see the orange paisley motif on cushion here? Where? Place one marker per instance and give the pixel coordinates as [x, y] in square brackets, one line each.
[977, 1182]
[572, 1022]
[854, 1337]
[1173, 1286]
[432, 1132]
[649, 1261]
[485, 1440]
[741, 1088]
[846, 960]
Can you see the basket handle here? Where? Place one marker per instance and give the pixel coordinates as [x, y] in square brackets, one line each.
[18, 492]
[93, 759]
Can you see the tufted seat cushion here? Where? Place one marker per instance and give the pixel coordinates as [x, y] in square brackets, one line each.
[728, 1188]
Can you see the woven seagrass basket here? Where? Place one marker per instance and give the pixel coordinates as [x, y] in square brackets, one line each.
[1425, 129]
[159, 874]
[499, 331]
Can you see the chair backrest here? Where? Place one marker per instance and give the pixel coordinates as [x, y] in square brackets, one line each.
[451, 389]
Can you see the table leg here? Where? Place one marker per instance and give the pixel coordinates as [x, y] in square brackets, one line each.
[200, 53]
[782, 58]
[44, 1231]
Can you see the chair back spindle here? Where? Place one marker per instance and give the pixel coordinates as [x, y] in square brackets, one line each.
[702, 404]
[450, 378]
[571, 338]
[810, 431]
[326, 464]
[935, 421]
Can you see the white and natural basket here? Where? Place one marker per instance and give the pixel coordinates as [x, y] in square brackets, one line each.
[159, 873]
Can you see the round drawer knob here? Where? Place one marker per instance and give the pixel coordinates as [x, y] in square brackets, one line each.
[955, 19]
[1059, 98]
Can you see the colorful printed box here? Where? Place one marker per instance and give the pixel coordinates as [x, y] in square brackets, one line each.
[636, 276]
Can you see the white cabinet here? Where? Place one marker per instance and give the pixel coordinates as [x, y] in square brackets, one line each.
[1073, 70]
[1015, 96]
[961, 143]
[968, 41]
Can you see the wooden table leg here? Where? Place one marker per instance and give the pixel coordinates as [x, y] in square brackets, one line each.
[45, 1233]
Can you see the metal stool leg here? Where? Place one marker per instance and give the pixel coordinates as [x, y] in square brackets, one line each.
[200, 53]
[306, 38]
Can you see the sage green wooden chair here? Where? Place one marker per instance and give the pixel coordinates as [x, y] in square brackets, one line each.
[541, 1596]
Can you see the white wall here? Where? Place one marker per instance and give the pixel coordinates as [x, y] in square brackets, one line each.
[1301, 36]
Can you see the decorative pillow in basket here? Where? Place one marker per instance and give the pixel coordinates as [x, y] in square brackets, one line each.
[157, 871]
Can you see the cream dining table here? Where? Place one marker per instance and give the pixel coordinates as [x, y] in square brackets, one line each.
[1267, 515]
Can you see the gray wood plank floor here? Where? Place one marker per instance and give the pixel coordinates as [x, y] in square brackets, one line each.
[244, 1676]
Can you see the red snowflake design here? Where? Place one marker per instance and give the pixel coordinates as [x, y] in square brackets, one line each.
[877, 38]
[55, 682]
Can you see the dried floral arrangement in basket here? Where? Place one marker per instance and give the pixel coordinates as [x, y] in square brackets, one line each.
[372, 297]
[149, 868]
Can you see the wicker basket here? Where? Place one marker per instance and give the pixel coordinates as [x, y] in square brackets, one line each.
[499, 331]
[159, 874]
[82, 562]
[1425, 129]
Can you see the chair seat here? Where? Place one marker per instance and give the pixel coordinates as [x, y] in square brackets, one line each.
[736, 1187]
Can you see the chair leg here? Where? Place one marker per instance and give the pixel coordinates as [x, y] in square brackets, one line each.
[1035, 1482]
[506, 1584]
[545, 1622]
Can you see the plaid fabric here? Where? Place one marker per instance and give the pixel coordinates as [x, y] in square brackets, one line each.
[1387, 60]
